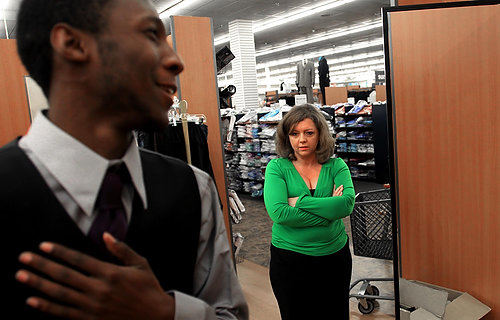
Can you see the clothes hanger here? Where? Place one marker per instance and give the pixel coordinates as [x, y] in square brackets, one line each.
[183, 106]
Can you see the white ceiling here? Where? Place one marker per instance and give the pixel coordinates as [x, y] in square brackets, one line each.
[341, 17]
[224, 11]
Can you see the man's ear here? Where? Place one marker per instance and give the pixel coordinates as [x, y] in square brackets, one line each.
[70, 43]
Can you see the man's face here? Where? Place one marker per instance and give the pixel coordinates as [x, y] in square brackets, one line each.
[136, 68]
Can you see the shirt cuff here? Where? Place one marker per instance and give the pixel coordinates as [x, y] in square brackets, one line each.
[188, 307]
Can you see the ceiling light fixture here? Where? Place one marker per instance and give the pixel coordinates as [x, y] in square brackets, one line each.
[327, 52]
[331, 63]
[298, 14]
[337, 75]
[303, 12]
[284, 71]
[333, 71]
[3, 7]
[321, 37]
[175, 6]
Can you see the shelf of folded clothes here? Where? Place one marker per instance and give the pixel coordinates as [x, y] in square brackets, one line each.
[344, 139]
[363, 177]
[353, 115]
[266, 152]
[359, 141]
[256, 180]
[269, 122]
[353, 128]
[256, 139]
[354, 153]
[368, 166]
[252, 165]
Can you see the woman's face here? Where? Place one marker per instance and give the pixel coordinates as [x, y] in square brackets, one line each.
[304, 138]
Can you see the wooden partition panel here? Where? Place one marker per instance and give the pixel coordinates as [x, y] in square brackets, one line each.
[335, 95]
[14, 111]
[446, 89]
[193, 42]
[412, 2]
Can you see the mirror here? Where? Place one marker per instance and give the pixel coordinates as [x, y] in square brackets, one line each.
[246, 153]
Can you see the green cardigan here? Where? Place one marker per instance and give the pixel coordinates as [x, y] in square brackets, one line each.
[314, 226]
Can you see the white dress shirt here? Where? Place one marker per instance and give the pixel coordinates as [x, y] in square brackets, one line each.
[74, 173]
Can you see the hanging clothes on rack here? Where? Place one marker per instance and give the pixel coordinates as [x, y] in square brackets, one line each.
[170, 142]
[324, 76]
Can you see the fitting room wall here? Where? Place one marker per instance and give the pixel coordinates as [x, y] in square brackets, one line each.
[193, 41]
[14, 118]
[412, 2]
[446, 84]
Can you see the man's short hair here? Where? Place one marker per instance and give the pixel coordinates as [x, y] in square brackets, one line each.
[35, 20]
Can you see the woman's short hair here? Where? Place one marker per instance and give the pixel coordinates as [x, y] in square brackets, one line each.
[326, 143]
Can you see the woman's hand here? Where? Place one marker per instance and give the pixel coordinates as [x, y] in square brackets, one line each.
[292, 201]
[338, 191]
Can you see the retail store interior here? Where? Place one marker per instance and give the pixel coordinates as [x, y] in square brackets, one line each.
[396, 109]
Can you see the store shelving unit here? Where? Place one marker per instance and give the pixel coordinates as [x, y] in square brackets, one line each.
[246, 159]
[366, 157]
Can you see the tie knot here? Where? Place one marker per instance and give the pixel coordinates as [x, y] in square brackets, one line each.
[112, 185]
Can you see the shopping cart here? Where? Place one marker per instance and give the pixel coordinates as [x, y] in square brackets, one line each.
[371, 228]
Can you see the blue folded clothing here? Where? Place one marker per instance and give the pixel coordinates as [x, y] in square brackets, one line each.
[356, 109]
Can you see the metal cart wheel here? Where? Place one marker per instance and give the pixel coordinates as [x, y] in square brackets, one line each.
[375, 291]
[370, 306]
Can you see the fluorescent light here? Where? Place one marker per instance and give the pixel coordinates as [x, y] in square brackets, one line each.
[356, 57]
[221, 40]
[175, 6]
[303, 12]
[357, 70]
[331, 62]
[3, 7]
[285, 71]
[346, 70]
[327, 52]
[320, 37]
[298, 14]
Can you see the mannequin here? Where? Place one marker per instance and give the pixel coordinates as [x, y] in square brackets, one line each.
[305, 78]
[324, 77]
[284, 86]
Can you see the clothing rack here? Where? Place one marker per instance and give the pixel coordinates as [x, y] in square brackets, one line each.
[178, 112]
[188, 144]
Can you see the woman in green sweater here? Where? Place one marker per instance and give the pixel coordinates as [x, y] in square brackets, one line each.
[307, 193]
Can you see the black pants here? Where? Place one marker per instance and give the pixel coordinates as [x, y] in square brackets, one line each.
[323, 96]
[308, 287]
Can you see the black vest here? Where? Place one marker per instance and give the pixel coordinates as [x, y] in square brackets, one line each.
[166, 234]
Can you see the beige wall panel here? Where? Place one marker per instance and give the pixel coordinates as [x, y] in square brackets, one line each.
[412, 2]
[194, 44]
[381, 92]
[335, 95]
[14, 118]
[446, 77]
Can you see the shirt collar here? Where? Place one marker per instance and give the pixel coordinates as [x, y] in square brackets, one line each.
[76, 167]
